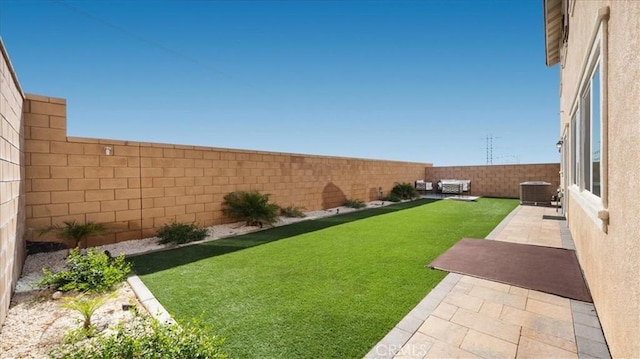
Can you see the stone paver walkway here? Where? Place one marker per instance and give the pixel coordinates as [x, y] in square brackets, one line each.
[467, 317]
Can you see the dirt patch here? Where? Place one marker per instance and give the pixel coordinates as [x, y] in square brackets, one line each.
[36, 323]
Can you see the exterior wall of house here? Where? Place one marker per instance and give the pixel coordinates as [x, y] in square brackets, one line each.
[139, 187]
[498, 180]
[12, 245]
[609, 254]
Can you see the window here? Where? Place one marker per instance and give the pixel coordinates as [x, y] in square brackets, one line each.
[596, 140]
[586, 136]
[574, 150]
[587, 128]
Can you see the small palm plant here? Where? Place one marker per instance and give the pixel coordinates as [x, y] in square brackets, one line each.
[252, 207]
[72, 233]
[404, 191]
[86, 306]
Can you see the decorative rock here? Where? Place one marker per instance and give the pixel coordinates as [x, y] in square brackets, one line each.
[56, 295]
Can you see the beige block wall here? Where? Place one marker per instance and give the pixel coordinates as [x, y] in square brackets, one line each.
[12, 246]
[610, 261]
[498, 180]
[139, 187]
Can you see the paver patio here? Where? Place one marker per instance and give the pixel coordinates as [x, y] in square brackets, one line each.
[467, 317]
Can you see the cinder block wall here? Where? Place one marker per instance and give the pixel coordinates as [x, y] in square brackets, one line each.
[498, 180]
[12, 245]
[138, 187]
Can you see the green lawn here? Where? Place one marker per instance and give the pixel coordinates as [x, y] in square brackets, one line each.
[327, 288]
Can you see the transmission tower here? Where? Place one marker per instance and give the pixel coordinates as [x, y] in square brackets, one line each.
[489, 148]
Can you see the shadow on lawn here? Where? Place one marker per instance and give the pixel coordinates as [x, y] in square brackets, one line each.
[153, 262]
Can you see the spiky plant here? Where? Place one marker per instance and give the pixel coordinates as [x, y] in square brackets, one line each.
[292, 212]
[85, 306]
[73, 233]
[405, 191]
[252, 207]
[354, 203]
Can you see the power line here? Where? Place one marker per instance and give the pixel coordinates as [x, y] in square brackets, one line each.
[150, 42]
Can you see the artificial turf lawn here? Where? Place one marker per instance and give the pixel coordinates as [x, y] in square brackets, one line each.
[327, 288]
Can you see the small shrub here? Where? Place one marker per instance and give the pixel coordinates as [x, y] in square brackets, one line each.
[252, 207]
[91, 272]
[72, 233]
[79, 333]
[392, 198]
[147, 338]
[292, 212]
[405, 191]
[181, 233]
[354, 203]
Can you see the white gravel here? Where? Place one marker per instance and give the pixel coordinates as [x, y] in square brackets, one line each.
[35, 323]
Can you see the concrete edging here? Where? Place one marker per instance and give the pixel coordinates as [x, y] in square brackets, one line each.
[148, 300]
[393, 342]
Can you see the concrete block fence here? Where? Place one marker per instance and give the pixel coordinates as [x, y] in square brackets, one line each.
[498, 180]
[136, 187]
[12, 250]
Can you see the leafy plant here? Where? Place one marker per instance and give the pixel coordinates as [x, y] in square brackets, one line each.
[405, 191]
[354, 203]
[292, 212]
[90, 272]
[181, 233]
[80, 333]
[72, 233]
[147, 338]
[252, 207]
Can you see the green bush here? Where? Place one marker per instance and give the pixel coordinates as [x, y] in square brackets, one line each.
[404, 191]
[392, 198]
[252, 207]
[91, 272]
[146, 338]
[180, 233]
[354, 203]
[292, 212]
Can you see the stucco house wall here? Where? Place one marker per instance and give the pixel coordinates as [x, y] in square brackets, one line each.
[605, 229]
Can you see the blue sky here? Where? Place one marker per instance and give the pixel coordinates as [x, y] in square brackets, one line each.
[423, 81]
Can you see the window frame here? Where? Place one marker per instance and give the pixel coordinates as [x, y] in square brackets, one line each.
[580, 187]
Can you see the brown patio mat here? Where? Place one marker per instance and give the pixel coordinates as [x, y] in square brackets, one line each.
[559, 218]
[550, 270]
